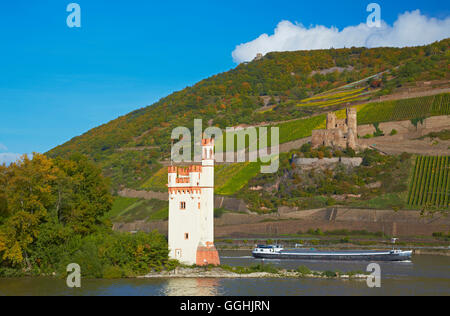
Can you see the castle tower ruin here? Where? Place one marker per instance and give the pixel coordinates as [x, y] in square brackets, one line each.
[352, 121]
[341, 133]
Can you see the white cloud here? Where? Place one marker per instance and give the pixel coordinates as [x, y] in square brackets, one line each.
[8, 158]
[3, 147]
[410, 29]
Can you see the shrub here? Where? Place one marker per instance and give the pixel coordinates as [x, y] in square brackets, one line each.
[112, 272]
[329, 274]
[218, 212]
[393, 132]
[303, 270]
[269, 268]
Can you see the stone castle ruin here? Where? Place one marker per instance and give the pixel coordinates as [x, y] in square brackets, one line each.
[341, 133]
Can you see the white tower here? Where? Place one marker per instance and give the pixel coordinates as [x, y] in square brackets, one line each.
[191, 211]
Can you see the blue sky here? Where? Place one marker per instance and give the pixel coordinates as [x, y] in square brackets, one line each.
[57, 82]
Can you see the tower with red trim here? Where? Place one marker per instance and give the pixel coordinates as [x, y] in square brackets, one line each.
[191, 211]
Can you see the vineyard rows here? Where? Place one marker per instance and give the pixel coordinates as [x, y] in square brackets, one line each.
[406, 109]
[430, 182]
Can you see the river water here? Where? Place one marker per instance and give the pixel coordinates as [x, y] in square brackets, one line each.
[425, 275]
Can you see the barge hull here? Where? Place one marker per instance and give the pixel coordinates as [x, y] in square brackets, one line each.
[378, 257]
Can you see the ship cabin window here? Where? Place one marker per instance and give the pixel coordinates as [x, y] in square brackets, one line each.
[183, 205]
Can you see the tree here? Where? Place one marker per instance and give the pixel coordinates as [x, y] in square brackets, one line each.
[27, 193]
[83, 195]
[41, 191]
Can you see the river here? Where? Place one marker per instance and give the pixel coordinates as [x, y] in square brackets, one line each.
[425, 275]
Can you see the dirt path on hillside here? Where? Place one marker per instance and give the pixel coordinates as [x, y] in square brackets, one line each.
[412, 93]
[394, 146]
[407, 137]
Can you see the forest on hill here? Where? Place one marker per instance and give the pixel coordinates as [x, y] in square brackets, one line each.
[279, 87]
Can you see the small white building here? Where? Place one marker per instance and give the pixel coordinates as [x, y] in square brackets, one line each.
[191, 211]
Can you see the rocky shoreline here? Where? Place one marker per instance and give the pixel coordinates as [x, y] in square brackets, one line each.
[218, 272]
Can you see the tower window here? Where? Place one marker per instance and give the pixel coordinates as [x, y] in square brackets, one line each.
[198, 205]
[186, 236]
[183, 205]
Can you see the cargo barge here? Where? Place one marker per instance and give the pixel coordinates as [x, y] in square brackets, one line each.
[278, 252]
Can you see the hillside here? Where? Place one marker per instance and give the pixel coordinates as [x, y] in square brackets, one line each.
[280, 89]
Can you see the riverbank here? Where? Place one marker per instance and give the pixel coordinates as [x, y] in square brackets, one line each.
[424, 276]
[229, 273]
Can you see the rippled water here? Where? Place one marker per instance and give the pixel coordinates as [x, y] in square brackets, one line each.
[425, 275]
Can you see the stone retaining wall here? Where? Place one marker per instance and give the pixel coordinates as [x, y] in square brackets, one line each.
[400, 224]
[431, 124]
[352, 162]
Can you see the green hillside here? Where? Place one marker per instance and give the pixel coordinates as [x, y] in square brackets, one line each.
[280, 87]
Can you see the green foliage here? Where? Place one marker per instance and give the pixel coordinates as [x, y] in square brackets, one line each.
[393, 132]
[102, 255]
[378, 132]
[329, 274]
[416, 121]
[54, 217]
[442, 135]
[83, 195]
[317, 232]
[128, 149]
[268, 268]
[218, 212]
[377, 183]
[157, 182]
[303, 270]
[131, 210]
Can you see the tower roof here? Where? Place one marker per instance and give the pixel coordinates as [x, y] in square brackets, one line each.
[208, 142]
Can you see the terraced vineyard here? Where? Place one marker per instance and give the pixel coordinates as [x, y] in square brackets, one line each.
[406, 109]
[300, 128]
[441, 104]
[430, 182]
[128, 210]
[336, 97]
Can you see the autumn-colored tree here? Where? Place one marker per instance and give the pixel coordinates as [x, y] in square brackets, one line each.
[40, 190]
[82, 194]
[27, 188]
[3, 202]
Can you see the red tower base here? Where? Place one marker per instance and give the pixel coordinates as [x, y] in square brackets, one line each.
[207, 255]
